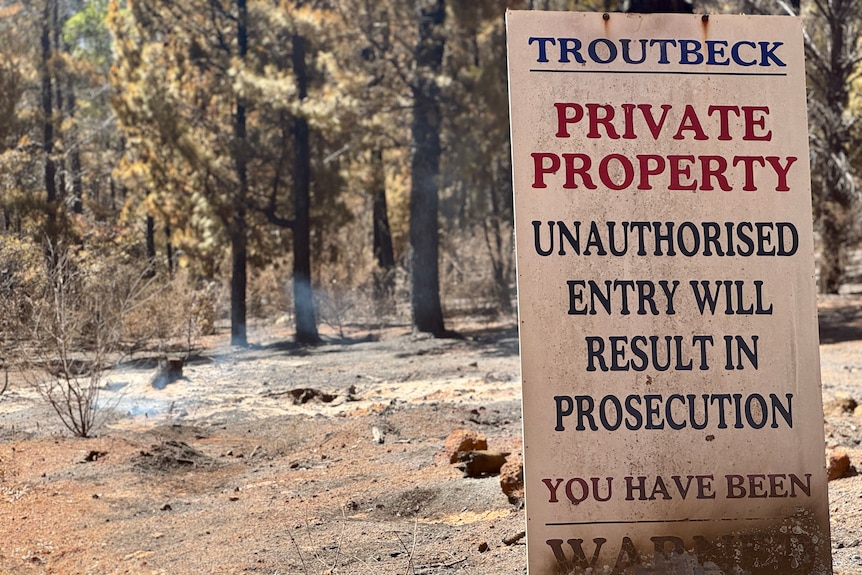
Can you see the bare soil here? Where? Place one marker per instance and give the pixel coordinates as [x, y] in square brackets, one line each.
[267, 460]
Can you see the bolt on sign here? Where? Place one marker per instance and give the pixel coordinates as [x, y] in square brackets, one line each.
[671, 385]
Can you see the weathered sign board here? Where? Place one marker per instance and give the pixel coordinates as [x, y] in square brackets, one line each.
[669, 347]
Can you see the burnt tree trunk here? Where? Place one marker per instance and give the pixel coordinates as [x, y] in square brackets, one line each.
[383, 251]
[303, 299]
[238, 225]
[425, 170]
[169, 251]
[50, 174]
[151, 247]
[74, 150]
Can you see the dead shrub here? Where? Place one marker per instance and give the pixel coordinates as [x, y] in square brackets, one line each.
[21, 279]
[76, 330]
[268, 294]
[474, 279]
[174, 315]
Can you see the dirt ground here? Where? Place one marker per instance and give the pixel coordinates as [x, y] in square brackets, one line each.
[228, 471]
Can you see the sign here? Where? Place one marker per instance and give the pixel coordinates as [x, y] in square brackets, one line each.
[669, 348]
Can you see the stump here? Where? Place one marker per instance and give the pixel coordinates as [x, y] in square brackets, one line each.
[170, 370]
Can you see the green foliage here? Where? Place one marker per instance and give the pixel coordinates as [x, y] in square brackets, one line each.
[87, 35]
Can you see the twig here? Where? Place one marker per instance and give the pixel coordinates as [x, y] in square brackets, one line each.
[340, 539]
[413, 547]
[298, 551]
[448, 565]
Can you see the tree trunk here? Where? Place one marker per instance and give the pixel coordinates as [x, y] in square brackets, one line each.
[303, 298]
[169, 251]
[238, 225]
[48, 123]
[494, 240]
[74, 150]
[383, 251]
[151, 247]
[832, 258]
[57, 28]
[238, 280]
[425, 169]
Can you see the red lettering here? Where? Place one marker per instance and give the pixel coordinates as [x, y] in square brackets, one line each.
[629, 123]
[644, 162]
[539, 168]
[628, 172]
[753, 120]
[781, 171]
[605, 120]
[678, 171]
[564, 119]
[749, 162]
[690, 123]
[654, 127]
[708, 172]
[723, 119]
[582, 171]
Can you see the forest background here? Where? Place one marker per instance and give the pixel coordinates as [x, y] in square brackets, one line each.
[171, 168]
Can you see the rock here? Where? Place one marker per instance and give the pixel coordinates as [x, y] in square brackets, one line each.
[840, 406]
[512, 539]
[463, 440]
[858, 411]
[93, 456]
[481, 463]
[837, 465]
[512, 479]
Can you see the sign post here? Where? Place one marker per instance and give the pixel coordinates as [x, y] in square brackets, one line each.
[669, 347]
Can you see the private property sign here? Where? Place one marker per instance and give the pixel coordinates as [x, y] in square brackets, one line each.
[671, 386]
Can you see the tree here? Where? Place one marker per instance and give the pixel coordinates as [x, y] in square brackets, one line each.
[306, 327]
[477, 163]
[834, 55]
[87, 48]
[189, 70]
[47, 99]
[425, 168]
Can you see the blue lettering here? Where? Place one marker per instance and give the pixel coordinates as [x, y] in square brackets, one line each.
[734, 53]
[627, 54]
[543, 43]
[662, 45]
[571, 46]
[612, 51]
[767, 53]
[692, 52]
[689, 52]
[714, 51]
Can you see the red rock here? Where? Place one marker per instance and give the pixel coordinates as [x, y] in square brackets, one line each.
[837, 465]
[512, 478]
[463, 440]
